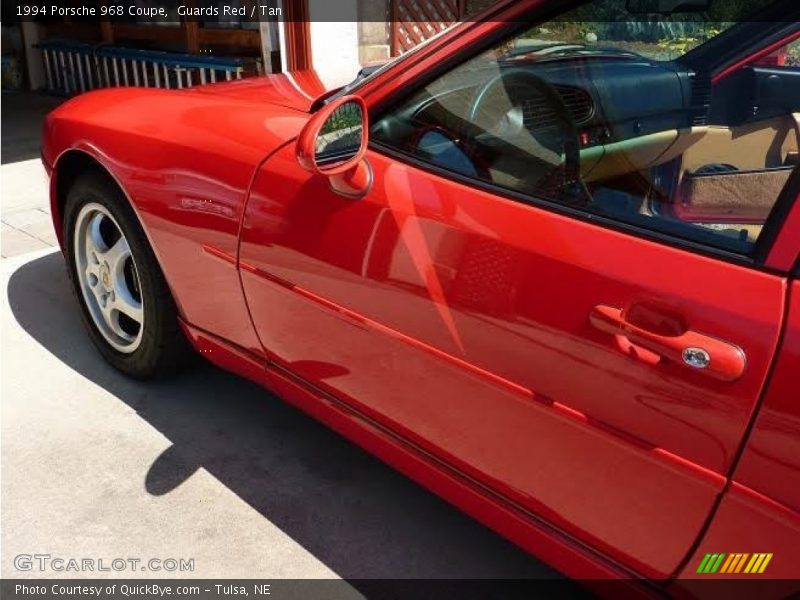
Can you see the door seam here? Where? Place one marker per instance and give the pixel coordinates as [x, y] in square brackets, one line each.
[737, 456]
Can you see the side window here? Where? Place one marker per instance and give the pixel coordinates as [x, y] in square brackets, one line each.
[792, 55]
[788, 56]
[606, 117]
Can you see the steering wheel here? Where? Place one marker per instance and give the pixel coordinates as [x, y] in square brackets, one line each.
[496, 109]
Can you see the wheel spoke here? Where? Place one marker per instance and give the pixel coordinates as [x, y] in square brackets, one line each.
[94, 241]
[111, 313]
[116, 255]
[125, 304]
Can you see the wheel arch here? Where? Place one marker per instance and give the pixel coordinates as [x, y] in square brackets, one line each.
[71, 164]
[68, 167]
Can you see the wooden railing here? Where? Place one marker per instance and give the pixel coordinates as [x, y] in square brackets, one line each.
[74, 67]
[414, 21]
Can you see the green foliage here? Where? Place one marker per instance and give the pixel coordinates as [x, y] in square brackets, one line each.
[680, 45]
[345, 117]
[793, 55]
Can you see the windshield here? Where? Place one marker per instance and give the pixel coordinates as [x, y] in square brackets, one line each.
[608, 28]
[659, 40]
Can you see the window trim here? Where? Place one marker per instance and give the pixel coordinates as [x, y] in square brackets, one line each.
[773, 226]
[695, 247]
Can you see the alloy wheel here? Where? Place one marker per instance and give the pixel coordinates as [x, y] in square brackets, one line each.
[108, 278]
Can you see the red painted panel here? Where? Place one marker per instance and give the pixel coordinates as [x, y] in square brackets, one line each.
[785, 251]
[565, 554]
[458, 320]
[187, 165]
[748, 522]
[295, 90]
[771, 462]
[461, 320]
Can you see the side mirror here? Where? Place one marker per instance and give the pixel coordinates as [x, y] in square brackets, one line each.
[333, 144]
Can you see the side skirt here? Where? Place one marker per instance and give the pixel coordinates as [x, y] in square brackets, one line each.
[558, 549]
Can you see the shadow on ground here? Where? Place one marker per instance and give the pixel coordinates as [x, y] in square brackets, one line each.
[359, 517]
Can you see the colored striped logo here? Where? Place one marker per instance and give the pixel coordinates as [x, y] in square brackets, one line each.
[734, 563]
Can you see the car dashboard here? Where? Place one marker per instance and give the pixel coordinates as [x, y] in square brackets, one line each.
[629, 113]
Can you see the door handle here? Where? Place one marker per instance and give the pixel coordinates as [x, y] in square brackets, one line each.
[702, 353]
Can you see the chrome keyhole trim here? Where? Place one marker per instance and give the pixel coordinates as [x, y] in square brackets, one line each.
[696, 358]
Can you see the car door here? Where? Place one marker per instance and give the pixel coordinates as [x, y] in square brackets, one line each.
[594, 373]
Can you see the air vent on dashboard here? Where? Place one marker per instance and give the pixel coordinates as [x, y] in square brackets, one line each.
[579, 103]
[701, 98]
[539, 114]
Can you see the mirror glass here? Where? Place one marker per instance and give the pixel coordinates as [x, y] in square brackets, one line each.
[667, 7]
[340, 137]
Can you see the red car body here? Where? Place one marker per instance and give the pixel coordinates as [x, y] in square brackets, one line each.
[448, 330]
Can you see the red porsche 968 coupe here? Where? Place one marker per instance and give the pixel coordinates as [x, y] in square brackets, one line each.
[545, 264]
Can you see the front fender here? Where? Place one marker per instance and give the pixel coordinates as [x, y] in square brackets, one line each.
[185, 161]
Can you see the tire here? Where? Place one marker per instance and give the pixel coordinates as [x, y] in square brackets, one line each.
[125, 302]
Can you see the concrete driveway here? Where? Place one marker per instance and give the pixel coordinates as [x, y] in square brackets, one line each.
[204, 466]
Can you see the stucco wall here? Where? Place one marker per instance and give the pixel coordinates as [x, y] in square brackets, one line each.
[334, 45]
[373, 30]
